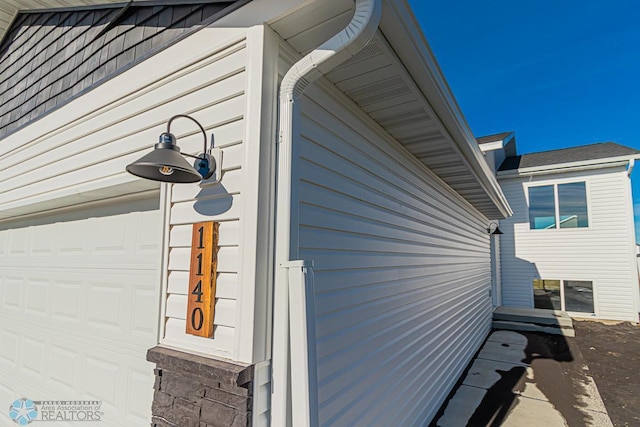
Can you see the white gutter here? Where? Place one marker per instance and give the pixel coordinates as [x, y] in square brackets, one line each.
[632, 163]
[329, 55]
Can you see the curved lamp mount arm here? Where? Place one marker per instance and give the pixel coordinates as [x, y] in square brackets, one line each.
[204, 134]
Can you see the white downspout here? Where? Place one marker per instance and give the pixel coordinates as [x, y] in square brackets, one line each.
[632, 163]
[330, 54]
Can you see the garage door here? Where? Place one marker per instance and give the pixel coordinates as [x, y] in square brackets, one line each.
[79, 303]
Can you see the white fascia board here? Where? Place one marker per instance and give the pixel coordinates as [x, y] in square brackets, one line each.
[568, 167]
[497, 144]
[258, 12]
[491, 146]
[403, 32]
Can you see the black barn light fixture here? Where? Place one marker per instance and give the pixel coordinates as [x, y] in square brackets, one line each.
[494, 231]
[167, 164]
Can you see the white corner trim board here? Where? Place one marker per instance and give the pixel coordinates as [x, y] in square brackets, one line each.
[330, 54]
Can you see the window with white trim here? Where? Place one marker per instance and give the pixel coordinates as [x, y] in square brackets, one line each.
[558, 206]
[575, 296]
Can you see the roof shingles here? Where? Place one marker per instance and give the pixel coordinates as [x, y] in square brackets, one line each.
[493, 138]
[583, 153]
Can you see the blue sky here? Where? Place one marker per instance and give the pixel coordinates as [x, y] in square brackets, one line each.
[559, 73]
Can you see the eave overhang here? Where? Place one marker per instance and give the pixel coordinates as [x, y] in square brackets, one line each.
[398, 83]
[403, 32]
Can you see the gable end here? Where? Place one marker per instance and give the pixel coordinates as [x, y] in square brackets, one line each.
[48, 57]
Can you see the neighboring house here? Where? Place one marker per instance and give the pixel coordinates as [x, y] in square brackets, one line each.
[379, 200]
[570, 243]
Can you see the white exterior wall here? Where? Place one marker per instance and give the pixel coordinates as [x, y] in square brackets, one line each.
[78, 153]
[603, 253]
[402, 270]
[221, 108]
[239, 112]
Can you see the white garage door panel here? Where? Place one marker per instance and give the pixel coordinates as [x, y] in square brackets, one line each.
[79, 303]
[118, 308]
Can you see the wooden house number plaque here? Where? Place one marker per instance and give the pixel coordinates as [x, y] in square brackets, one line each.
[202, 279]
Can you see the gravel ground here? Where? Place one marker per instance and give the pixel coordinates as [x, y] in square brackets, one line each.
[612, 353]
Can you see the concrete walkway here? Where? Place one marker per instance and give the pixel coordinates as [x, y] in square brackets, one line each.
[522, 379]
[533, 320]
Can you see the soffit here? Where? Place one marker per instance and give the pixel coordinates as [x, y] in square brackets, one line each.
[378, 82]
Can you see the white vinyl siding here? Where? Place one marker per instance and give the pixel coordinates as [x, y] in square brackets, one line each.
[601, 253]
[402, 270]
[221, 109]
[79, 152]
[85, 145]
[238, 112]
[221, 202]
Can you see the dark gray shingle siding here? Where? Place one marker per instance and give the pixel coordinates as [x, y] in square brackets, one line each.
[46, 58]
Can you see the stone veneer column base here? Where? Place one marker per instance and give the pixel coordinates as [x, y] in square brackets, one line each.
[194, 391]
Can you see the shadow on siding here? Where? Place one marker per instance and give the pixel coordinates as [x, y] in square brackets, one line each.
[213, 200]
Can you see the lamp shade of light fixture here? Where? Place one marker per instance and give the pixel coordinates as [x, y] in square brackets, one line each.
[167, 164]
[494, 231]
